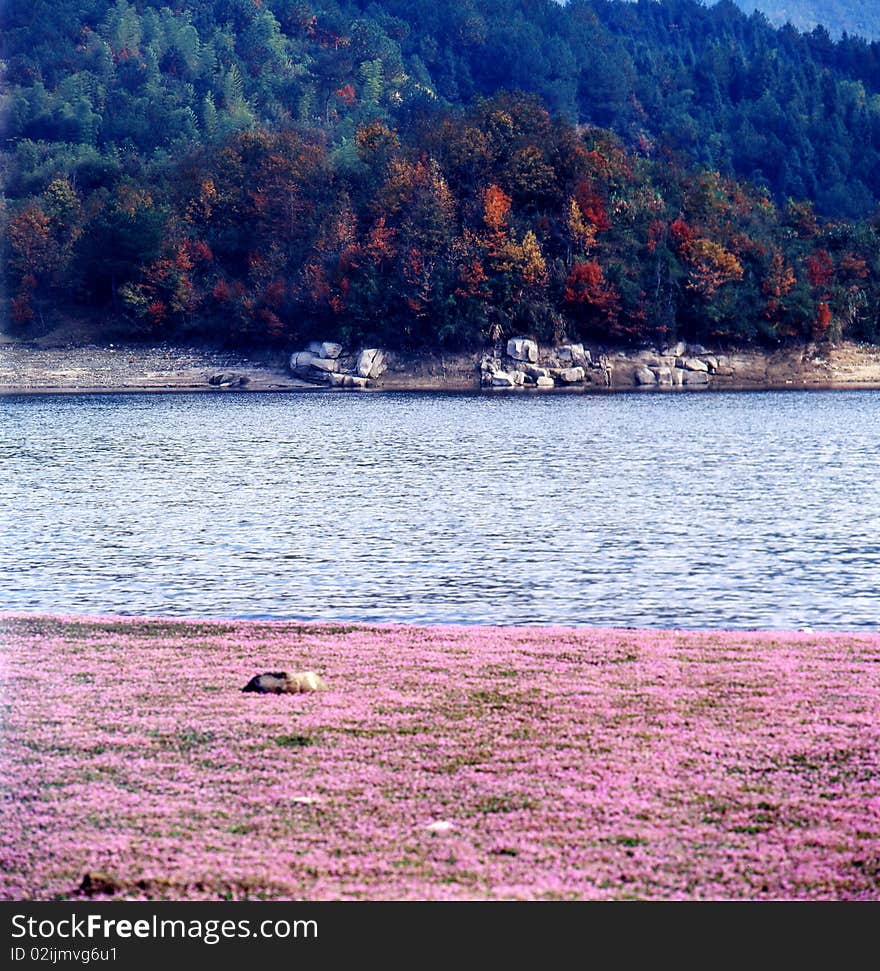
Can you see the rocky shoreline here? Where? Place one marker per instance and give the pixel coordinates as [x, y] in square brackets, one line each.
[520, 365]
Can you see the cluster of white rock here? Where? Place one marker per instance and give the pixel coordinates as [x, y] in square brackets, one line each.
[569, 364]
[324, 362]
[682, 365]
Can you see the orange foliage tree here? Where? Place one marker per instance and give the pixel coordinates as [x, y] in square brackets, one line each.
[589, 295]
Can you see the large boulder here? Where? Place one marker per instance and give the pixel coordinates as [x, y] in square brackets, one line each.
[533, 371]
[489, 366]
[678, 377]
[572, 375]
[300, 360]
[349, 381]
[370, 363]
[325, 364]
[664, 376]
[653, 359]
[645, 377]
[301, 365]
[576, 354]
[354, 381]
[325, 349]
[285, 683]
[522, 349]
[696, 378]
[544, 382]
[691, 364]
[503, 379]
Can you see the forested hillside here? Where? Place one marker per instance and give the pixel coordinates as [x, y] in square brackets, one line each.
[261, 170]
[854, 17]
[97, 85]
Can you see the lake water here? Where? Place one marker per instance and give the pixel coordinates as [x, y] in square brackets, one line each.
[648, 510]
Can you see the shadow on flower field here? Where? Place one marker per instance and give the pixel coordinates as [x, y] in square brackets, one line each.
[444, 762]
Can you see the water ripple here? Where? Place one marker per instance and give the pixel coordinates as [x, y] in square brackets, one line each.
[711, 510]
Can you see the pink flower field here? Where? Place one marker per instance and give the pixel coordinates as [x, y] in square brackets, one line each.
[441, 763]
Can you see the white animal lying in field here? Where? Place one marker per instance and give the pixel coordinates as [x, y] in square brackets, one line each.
[285, 683]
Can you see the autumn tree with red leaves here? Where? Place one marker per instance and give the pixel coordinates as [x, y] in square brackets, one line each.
[421, 228]
[594, 302]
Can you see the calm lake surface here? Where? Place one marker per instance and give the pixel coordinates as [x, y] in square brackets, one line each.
[648, 510]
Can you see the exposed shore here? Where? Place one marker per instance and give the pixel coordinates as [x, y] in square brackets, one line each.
[441, 762]
[29, 368]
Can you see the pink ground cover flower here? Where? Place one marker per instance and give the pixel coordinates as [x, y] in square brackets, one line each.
[444, 762]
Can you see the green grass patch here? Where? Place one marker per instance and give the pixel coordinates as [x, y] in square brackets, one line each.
[295, 741]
